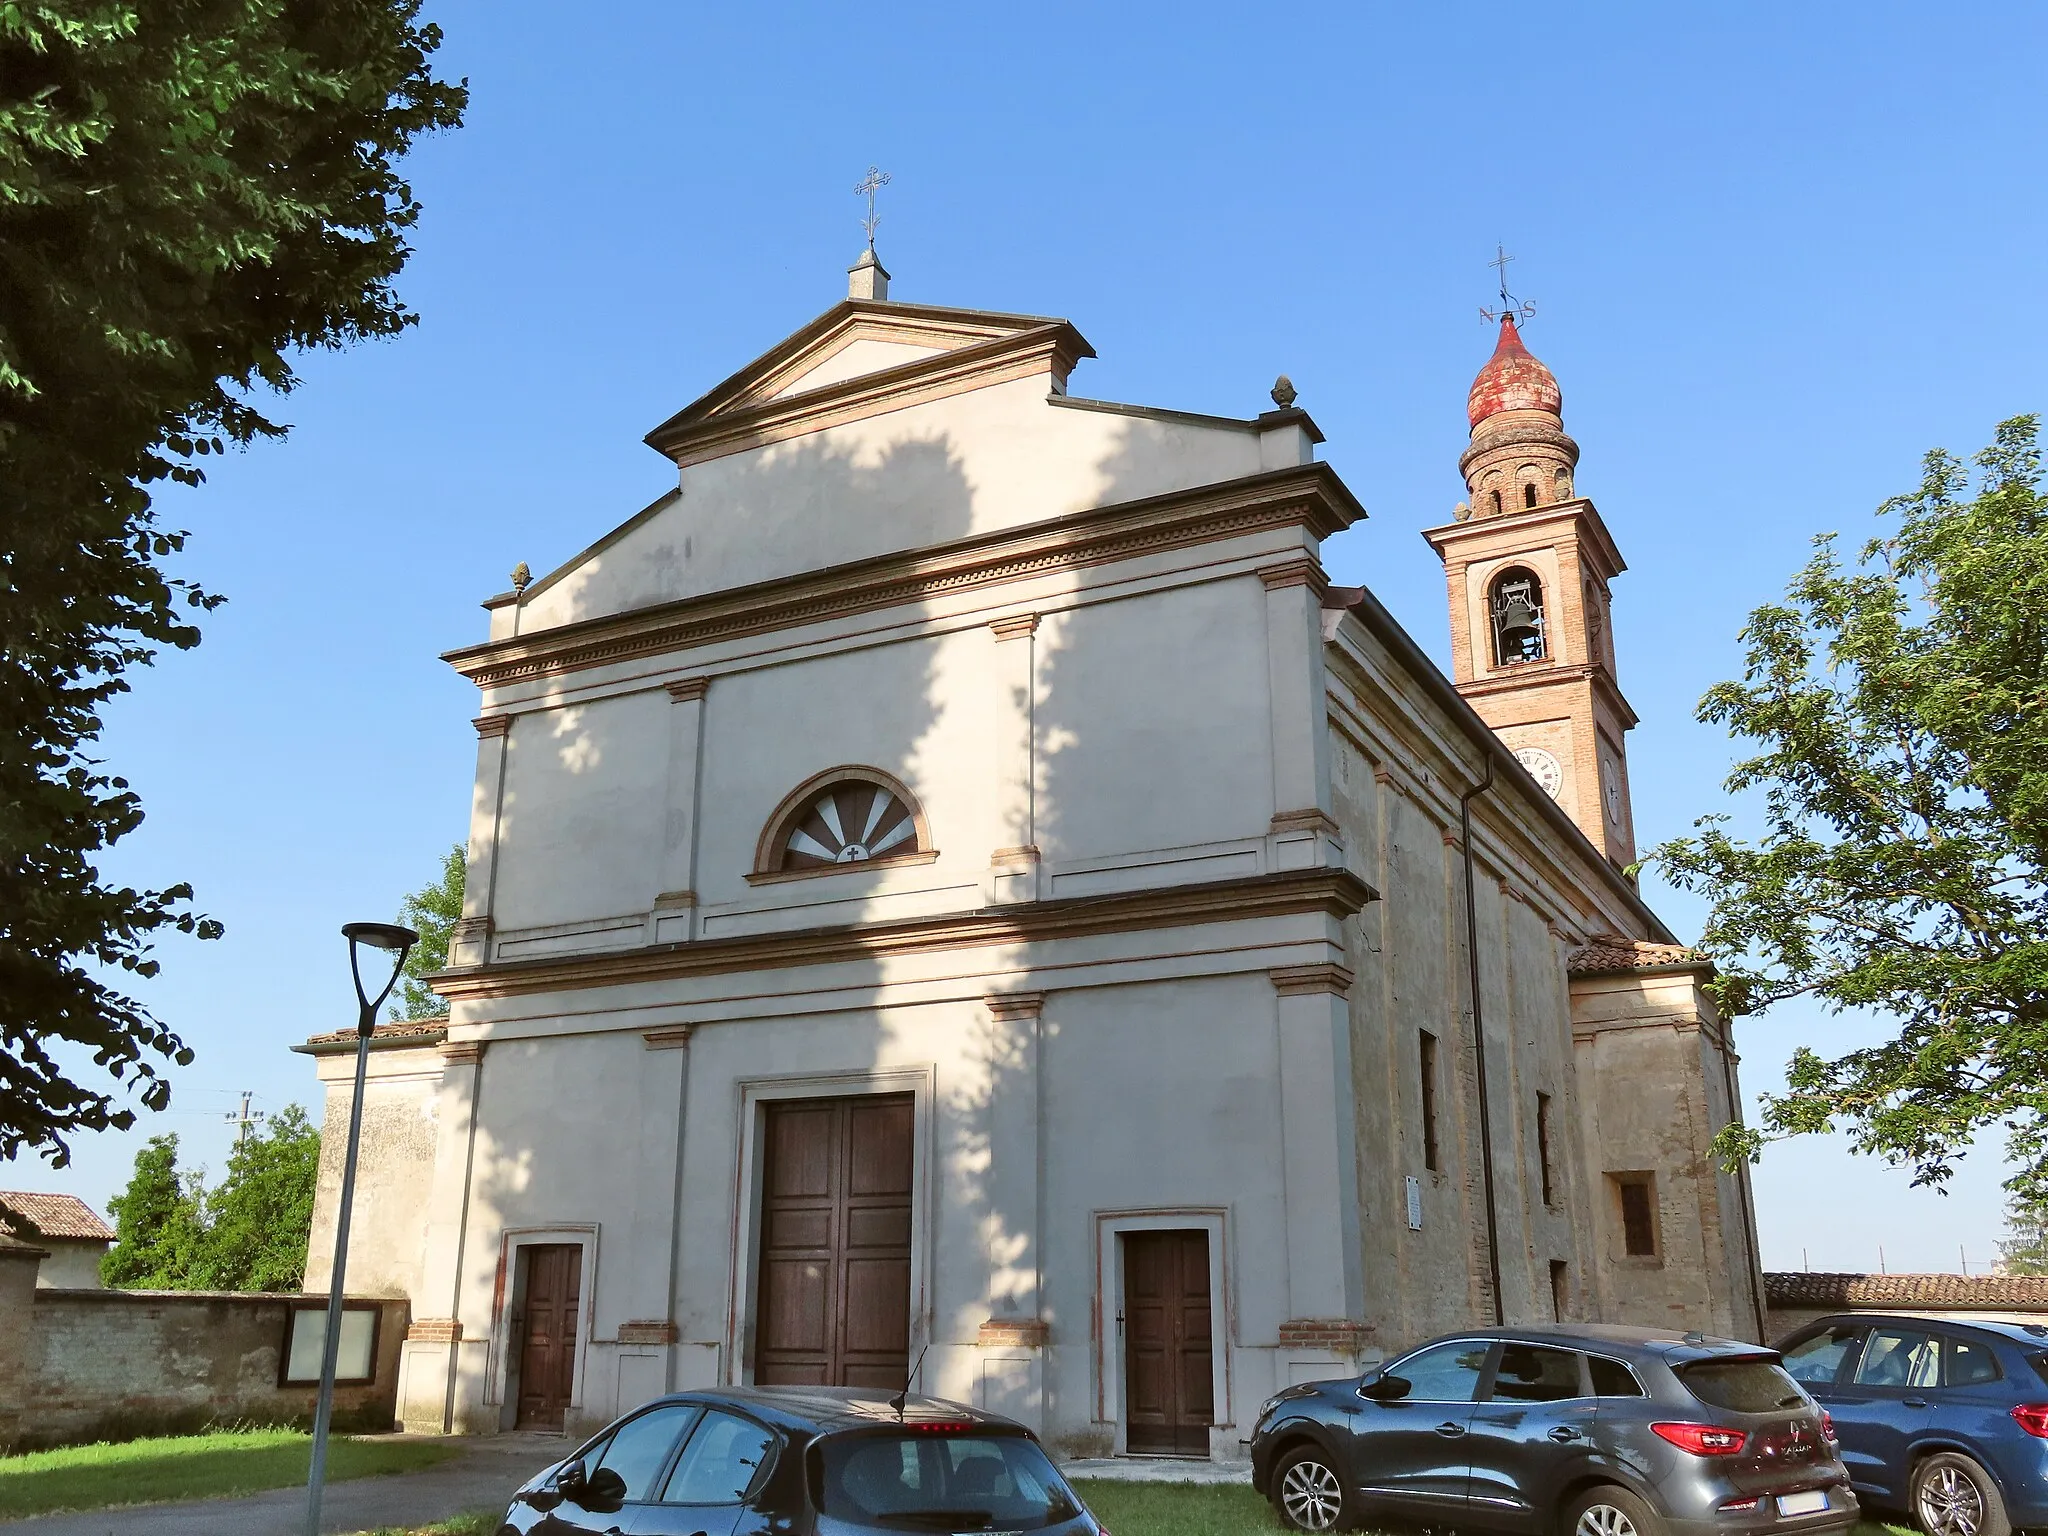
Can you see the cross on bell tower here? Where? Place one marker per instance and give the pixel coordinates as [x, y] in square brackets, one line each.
[1528, 562]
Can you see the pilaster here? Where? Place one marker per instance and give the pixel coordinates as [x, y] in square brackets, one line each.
[1014, 866]
[429, 1359]
[674, 916]
[470, 943]
[1011, 1342]
[1319, 1150]
[1297, 694]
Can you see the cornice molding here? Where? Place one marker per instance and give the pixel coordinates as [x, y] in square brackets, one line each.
[1051, 347]
[1309, 980]
[1527, 527]
[675, 1037]
[688, 690]
[1005, 1006]
[1015, 626]
[488, 726]
[462, 1052]
[1335, 892]
[1308, 495]
[1305, 572]
[1311, 820]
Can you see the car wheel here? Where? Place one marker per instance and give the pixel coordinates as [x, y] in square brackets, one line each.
[1308, 1493]
[1610, 1511]
[1953, 1496]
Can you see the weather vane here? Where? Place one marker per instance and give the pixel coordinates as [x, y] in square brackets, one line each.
[1511, 308]
[870, 184]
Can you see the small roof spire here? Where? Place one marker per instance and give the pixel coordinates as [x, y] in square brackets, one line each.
[867, 278]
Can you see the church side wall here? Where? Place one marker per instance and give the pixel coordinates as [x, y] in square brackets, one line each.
[394, 1172]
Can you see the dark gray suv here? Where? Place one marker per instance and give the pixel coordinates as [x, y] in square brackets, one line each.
[1584, 1430]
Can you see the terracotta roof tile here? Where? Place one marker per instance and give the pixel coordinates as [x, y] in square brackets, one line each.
[2004, 1292]
[393, 1030]
[1609, 952]
[32, 1216]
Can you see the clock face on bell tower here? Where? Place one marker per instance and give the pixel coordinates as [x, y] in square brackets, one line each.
[1528, 563]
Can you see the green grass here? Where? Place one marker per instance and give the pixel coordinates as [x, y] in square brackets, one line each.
[1195, 1509]
[481, 1522]
[209, 1466]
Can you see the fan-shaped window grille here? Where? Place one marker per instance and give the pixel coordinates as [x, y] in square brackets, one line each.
[845, 817]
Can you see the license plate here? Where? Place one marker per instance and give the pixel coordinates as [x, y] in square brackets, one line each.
[1802, 1503]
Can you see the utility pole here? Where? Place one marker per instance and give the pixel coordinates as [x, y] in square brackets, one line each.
[244, 1120]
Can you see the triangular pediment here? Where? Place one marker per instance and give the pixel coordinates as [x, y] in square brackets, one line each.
[862, 355]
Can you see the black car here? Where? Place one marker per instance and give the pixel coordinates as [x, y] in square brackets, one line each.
[1582, 1430]
[1946, 1416]
[800, 1461]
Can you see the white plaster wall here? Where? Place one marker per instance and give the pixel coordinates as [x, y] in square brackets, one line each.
[988, 459]
[1165, 1095]
[1152, 725]
[585, 800]
[72, 1265]
[921, 710]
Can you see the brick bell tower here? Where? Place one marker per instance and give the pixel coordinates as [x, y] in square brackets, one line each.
[1528, 563]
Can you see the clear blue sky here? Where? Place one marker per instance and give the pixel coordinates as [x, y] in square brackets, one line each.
[1778, 251]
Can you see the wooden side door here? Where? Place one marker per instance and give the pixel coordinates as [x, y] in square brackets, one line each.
[833, 1306]
[1169, 1396]
[547, 1332]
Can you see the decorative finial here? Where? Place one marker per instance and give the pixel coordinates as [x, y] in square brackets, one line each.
[522, 577]
[869, 185]
[1461, 513]
[1283, 393]
[1511, 308]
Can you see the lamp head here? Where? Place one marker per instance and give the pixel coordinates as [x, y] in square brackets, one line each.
[394, 941]
[380, 935]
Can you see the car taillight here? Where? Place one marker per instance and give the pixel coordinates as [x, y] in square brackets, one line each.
[1703, 1439]
[1827, 1428]
[2033, 1418]
[1738, 1506]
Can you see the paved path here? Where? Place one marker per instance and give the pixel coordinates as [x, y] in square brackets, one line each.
[482, 1475]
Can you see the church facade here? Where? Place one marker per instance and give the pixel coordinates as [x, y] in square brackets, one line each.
[955, 892]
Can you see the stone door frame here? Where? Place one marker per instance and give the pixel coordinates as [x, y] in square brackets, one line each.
[1110, 1226]
[743, 1281]
[504, 1345]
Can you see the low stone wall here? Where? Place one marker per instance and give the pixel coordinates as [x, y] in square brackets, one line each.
[83, 1365]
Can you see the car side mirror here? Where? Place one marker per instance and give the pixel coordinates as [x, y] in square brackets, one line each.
[1386, 1389]
[565, 1484]
[603, 1492]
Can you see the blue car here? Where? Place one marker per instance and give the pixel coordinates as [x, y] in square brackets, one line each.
[1947, 1419]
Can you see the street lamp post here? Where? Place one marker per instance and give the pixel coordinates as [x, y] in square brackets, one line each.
[396, 942]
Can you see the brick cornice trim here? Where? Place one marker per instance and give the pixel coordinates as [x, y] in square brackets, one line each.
[1302, 980]
[1026, 853]
[674, 1037]
[1004, 1006]
[1309, 496]
[1013, 1333]
[1305, 821]
[687, 690]
[434, 1330]
[1305, 572]
[648, 1330]
[462, 1052]
[1340, 1335]
[488, 726]
[1336, 892]
[1016, 626]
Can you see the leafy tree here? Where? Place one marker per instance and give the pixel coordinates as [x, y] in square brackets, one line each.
[188, 191]
[248, 1233]
[431, 911]
[1900, 705]
[2024, 1250]
[260, 1215]
[158, 1224]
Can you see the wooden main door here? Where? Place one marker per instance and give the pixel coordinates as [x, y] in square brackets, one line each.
[552, 1295]
[1169, 1391]
[834, 1302]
